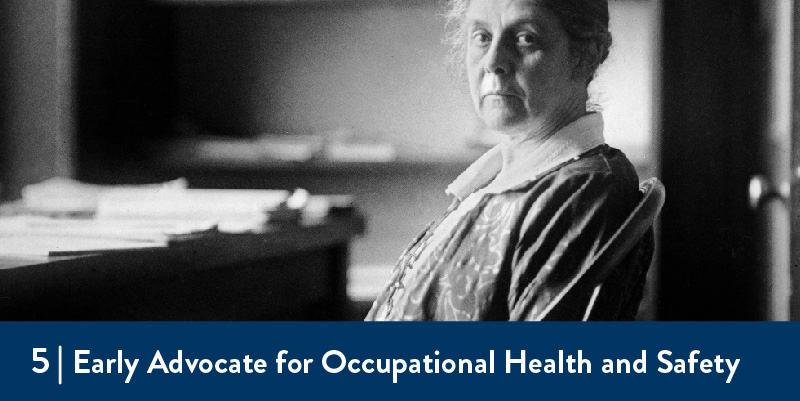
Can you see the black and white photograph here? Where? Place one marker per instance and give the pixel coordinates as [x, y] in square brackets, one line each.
[399, 160]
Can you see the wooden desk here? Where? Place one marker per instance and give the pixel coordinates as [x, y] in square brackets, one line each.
[289, 273]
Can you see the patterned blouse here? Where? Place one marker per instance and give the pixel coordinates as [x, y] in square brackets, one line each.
[510, 243]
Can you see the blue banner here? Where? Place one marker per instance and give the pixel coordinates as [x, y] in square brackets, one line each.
[313, 360]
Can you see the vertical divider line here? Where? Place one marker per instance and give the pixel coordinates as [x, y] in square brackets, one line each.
[795, 181]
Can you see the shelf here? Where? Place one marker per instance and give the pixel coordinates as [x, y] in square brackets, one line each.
[315, 166]
[246, 156]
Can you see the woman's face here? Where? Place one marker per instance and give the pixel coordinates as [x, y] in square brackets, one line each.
[519, 66]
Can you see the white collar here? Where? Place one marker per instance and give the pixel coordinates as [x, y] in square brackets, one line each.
[569, 142]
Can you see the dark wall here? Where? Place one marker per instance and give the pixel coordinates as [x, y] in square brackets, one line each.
[124, 84]
[711, 114]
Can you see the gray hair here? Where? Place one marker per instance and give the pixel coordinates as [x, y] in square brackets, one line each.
[585, 21]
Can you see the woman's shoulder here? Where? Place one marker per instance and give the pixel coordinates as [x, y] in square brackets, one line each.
[604, 160]
[603, 166]
[604, 174]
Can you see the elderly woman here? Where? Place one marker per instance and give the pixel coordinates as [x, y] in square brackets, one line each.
[533, 211]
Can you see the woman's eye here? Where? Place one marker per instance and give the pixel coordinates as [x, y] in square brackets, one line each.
[481, 38]
[525, 40]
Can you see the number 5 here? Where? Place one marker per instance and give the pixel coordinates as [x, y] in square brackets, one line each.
[43, 360]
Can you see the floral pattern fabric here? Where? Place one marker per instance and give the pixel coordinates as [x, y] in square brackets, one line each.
[511, 252]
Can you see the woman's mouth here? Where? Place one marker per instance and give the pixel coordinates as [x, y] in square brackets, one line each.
[501, 94]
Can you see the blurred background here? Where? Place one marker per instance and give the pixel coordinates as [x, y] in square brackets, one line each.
[356, 97]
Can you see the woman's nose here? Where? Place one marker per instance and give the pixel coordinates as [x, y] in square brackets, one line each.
[497, 59]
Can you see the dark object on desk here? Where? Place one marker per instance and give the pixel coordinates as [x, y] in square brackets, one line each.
[289, 273]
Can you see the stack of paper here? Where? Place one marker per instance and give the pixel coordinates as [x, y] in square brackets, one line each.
[44, 236]
[82, 218]
[67, 246]
[143, 230]
[209, 204]
[64, 196]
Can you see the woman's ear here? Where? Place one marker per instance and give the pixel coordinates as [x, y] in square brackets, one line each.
[586, 57]
[580, 65]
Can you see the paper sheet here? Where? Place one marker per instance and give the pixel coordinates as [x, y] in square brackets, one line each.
[68, 246]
